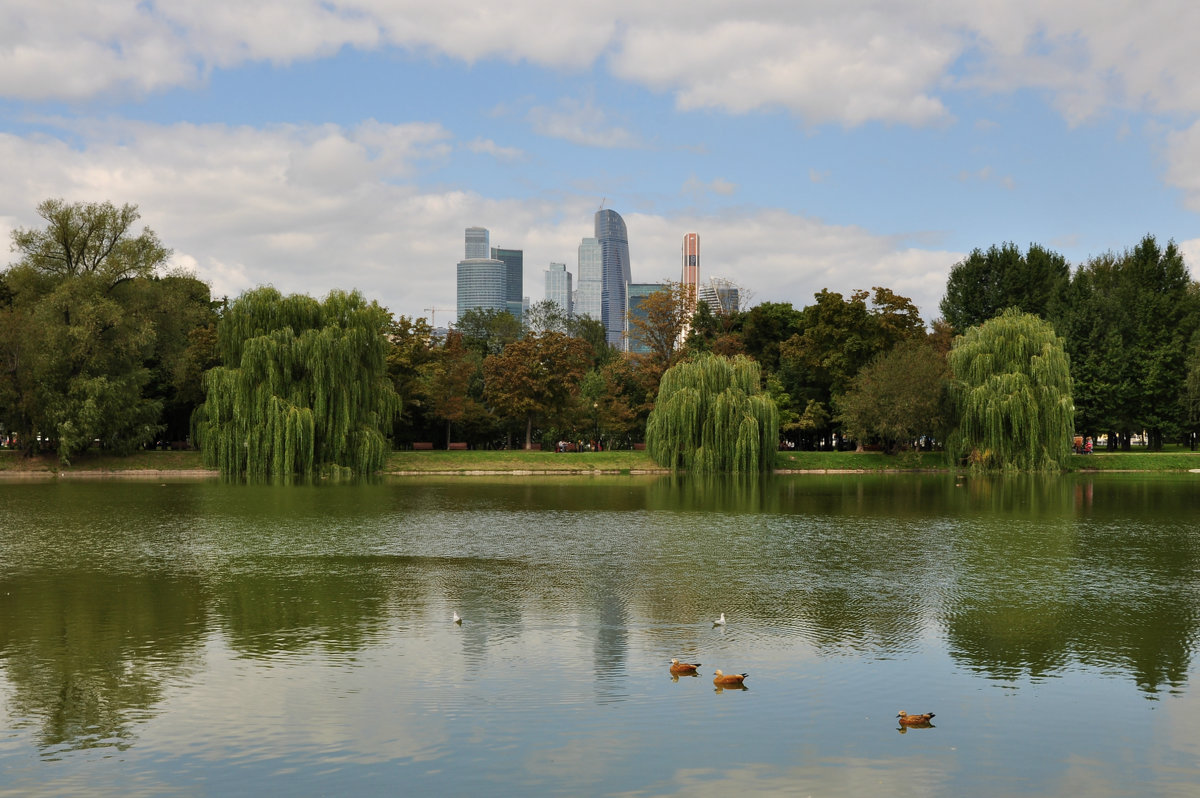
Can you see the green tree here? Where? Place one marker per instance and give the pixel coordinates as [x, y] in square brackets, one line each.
[1011, 386]
[985, 283]
[765, 327]
[79, 332]
[488, 331]
[410, 346]
[839, 337]
[712, 415]
[898, 397]
[1127, 330]
[535, 377]
[303, 385]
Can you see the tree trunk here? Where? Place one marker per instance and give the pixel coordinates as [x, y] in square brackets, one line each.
[447, 434]
[528, 431]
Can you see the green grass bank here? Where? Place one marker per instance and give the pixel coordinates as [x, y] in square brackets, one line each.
[613, 462]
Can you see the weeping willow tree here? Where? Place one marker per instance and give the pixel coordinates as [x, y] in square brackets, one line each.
[303, 386]
[712, 416]
[1012, 389]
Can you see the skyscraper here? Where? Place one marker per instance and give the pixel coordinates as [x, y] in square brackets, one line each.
[591, 281]
[477, 243]
[558, 287]
[690, 276]
[514, 281]
[614, 274]
[482, 281]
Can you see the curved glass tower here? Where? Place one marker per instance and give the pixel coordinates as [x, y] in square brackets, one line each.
[614, 274]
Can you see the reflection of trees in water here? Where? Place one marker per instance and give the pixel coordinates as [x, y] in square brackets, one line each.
[289, 604]
[85, 652]
[1094, 586]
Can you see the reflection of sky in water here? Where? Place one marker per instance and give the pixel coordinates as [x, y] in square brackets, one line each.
[309, 649]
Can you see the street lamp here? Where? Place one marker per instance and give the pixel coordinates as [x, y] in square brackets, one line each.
[596, 425]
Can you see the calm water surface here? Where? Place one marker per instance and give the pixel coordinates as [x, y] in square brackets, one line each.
[202, 638]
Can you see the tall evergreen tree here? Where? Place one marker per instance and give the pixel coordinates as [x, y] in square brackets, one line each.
[303, 385]
[1130, 319]
[985, 283]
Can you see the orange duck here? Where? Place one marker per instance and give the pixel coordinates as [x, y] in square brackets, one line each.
[728, 679]
[683, 668]
[914, 720]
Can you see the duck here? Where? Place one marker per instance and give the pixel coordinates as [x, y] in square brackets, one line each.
[457, 619]
[720, 621]
[914, 720]
[726, 679]
[686, 668]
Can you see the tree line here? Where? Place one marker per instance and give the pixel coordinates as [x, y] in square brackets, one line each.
[101, 345]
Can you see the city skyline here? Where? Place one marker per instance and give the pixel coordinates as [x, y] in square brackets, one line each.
[839, 146]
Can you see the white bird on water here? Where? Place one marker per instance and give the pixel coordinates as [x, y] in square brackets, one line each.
[457, 620]
[720, 621]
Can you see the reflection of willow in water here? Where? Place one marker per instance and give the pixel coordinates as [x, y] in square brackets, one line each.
[713, 493]
[84, 652]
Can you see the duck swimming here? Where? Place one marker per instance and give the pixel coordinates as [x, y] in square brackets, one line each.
[683, 668]
[727, 679]
[914, 720]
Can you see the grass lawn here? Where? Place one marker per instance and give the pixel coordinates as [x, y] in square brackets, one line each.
[99, 461]
[617, 462]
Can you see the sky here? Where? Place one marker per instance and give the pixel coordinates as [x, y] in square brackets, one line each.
[347, 144]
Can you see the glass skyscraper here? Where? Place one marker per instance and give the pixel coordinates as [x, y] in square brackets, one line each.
[482, 281]
[558, 287]
[614, 274]
[514, 280]
[590, 280]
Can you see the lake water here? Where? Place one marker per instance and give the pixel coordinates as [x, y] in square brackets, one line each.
[204, 638]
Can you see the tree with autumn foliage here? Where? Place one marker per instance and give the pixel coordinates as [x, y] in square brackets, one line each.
[536, 377]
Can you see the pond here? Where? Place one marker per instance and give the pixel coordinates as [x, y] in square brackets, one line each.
[194, 637]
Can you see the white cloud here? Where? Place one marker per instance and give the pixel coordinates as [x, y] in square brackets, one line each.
[580, 122]
[312, 208]
[1183, 164]
[483, 146]
[696, 187]
[846, 63]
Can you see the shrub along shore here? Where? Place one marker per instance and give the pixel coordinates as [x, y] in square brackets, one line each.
[189, 463]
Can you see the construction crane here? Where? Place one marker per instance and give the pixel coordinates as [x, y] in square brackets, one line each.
[433, 315]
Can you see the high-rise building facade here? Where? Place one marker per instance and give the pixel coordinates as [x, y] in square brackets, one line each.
[591, 283]
[558, 287]
[477, 243]
[614, 274]
[482, 281]
[690, 275]
[514, 280]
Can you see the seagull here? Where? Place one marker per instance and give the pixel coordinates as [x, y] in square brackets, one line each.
[720, 621]
[457, 620]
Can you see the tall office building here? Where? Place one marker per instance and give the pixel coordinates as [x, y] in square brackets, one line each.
[514, 269]
[477, 243]
[690, 276]
[591, 283]
[614, 274]
[558, 287]
[482, 281]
